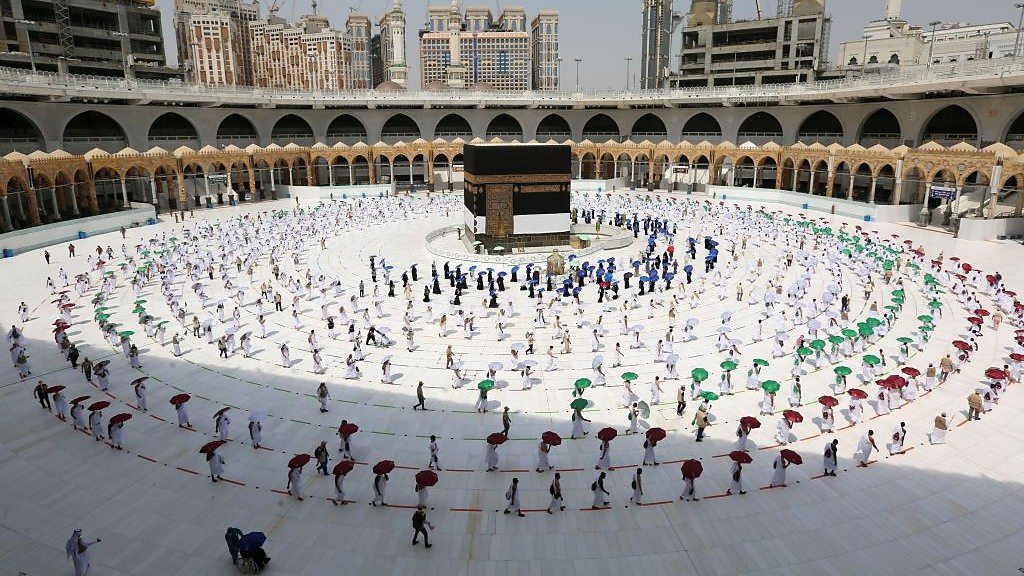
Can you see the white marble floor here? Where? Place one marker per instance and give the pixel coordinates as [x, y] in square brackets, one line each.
[956, 508]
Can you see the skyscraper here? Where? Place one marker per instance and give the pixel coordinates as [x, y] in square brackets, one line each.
[307, 55]
[392, 45]
[659, 22]
[207, 48]
[544, 50]
[359, 31]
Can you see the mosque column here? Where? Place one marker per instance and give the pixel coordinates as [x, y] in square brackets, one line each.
[33, 208]
[993, 191]
[53, 200]
[351, 174]
[810, 182]
[874, 186]
[7, 214]
[124, 195]
[74, 201]
[330, 174]
[897, 187]
[849, 188]
[94, 203]
[152, 189]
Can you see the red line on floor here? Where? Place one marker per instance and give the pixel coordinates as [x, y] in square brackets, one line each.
[514, 471]
[720, 455]
[818, 476]
[962, 423]
[661, 503]
[285, 492]
[811, 436]
[265, 448]
[406, 467]
[770, 487]
[111, 395]
[458, 470]
[157, 417]
[717, 496]
[187, 470]
[769, 447]
[598, 509]
[465, 510]
[236, 482]
[145, 458]
[407, 506]
[568, 469]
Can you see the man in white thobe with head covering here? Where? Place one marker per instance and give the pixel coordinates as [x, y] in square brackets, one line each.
[77, 550]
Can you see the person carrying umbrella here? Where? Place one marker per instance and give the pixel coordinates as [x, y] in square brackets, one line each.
[736, 472]
[216, 462]
[294, 486]
[633, 416]
[380, 486]
[779, 476]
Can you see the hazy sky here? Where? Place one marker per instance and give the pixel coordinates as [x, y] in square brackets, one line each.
[605, 32]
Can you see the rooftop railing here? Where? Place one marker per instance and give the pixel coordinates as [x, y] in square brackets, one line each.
[17, 80]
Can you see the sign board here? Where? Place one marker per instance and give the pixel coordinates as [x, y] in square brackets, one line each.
[942, 192]
[458, 168]
[681, 170]
[218, 179]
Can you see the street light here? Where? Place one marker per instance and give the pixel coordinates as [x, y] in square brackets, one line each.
[628, 61]
[578, 60]
[931, 40]
[28, 36]
[1020, 22]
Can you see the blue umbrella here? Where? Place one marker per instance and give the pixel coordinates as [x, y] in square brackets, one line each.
[608, 277]
[611, 259]
[669, 276]
[572, 256]
[645, 279]
[515, 269]
[502, 274]
[252, 541]
[688, 268]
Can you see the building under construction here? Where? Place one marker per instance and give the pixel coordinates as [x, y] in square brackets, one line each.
[790, 45]
[109, 38]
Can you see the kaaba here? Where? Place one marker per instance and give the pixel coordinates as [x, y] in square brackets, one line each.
[517, 195]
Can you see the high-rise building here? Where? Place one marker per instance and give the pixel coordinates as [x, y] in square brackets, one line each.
[359, 31]
[659, 22]
[547, 65]
[392, 45]
[84, 37]
[201, 37]
[307, 55]
[476, 51]
[715, 51]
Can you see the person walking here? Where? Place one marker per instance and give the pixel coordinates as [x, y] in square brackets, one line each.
[506, 421]
[512, 496]
[831, 458]
[323, 395]
[420, 398]
[77, 549]
[234, 538]
[322, 457]
[938, 435]
[556, 494]
[974, 406]
[864, 449]
[701, 420]
[420, 526]
[380, 487]
[40, 392]
[597, 487]
[638, 486]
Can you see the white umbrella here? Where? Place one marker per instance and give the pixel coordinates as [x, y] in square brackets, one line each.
[726, 315]
[386, 359]
[691, 322]
[518, 346]
[724, 329]
[529, 363]
[383, 329]
[495, 366]
[638, 328]
[672, 359]
[596, 362]
[814, 324]
[257, 415]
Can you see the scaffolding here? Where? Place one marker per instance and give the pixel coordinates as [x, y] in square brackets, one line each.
[63, 17]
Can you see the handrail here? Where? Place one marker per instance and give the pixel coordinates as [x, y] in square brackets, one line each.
[15, 79]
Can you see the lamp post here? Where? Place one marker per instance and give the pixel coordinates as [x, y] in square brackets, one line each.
[1020, 22]
[578, 60]
[931, 40]
[628, 62]
[28, 36]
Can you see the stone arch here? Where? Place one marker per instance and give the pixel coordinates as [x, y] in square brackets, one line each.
[400, 127]
[346, 128]
[238, 130]
[767, 172]
[505, 127]
[1014, 134]
[951, 125]
[702, 126]
[291, 129]
[92, 129]
[760, 128]
[818, 179]
[648, 127]
[880, 127]
[885, 184]
[554, 127]
[588, 167]
[453, 126]
[606, 166]
[18, 133]
[821, 126]
[171, 130]
[601, 127]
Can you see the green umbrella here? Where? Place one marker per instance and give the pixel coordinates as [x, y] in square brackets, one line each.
[866, 331]
[850, 333]
[818, 344]
[582, 383]
[627, 376]
[887, 265]
[897, 300]
[125, 334]
[872, 360]
[914, 266]
[873, 322]
[842, 371]
[760, 362]
[709, 395]
[836, 339]
[728, 365]
[101, 317]
[934, 304]
[770, 386]
[892, 308]
[804, 351]
[485, 384]
[927, 328]
[699, 374]
[904, 340]
[899, 293]
[102, 309]
[925, 318]
[578, 404]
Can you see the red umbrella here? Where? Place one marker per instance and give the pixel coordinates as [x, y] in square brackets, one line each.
[656, 434]
[98, 405]
[67, 306]
[791, 457]
[857, 393]
[122, 417]
[828, 401]
[343, 467]
[79, 399]
[180, 398]
[55, 389]
[954, 258]
[911, 371]
[551, 438]
[692, 469]
[426, 477]
[967, 267]
[741, 457]
[221, 411]
[961, 345]
[961, 277]
[383, 467]
[60, 323]
[348, 428]
[908, 242]
[1014, 357]
[975, 320]
[995, 374]
[299, 460]
[209, 447]
[607, 434]
[982, 312]
[991, 279]
[496, 438]
[793, 416]
[750, 422]
[1009, 293]
[897, 381]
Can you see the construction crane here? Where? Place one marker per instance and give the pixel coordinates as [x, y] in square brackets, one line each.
[760, 13]
[273, 7]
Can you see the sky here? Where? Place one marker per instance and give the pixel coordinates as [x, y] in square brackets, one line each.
[606, 32]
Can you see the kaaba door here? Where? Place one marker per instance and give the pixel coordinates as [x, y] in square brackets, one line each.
[499, 210]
